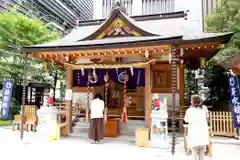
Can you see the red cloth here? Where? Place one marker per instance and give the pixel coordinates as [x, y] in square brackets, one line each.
[50, 100]
[124, 117]
[157, 103]
[106, 116]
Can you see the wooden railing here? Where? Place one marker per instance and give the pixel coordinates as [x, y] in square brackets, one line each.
[29, 119]
[221, 124]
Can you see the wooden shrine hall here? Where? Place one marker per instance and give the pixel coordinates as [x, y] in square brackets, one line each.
[127, 59]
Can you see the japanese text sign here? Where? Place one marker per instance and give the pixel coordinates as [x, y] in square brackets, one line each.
[6, 99]
[234, 99]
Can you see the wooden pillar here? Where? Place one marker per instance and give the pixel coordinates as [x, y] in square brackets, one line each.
[181, 95]
[69, 81]
[148, 96]
[181, 90]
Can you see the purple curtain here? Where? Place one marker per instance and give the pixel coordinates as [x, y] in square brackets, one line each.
[135, 79]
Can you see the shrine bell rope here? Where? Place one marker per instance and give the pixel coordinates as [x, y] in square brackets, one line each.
[88, 102]
[110, 65]
[106, 79]
[124, 114]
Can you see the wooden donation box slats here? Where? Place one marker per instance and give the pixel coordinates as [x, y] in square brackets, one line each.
[111, 128]
[142, 137]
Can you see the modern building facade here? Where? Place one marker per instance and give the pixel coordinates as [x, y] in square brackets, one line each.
[63, 14]
[197, 9]
[208, 7]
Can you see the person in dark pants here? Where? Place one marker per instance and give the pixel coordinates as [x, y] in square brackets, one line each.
[96, 129]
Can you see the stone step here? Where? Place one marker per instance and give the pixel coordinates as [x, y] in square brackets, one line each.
[125, 129]
[85, 130]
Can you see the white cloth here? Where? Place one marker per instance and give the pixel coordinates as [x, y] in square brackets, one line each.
[198, 133]
[97, 108]
[206, 110]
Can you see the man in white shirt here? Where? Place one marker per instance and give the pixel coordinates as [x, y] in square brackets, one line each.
[96, 129]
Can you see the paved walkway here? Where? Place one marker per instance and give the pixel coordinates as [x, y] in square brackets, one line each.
[75, 148]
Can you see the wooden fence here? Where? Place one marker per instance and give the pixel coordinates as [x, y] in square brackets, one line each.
[221, 124]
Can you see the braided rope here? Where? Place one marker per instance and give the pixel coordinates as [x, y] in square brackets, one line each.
[124, 115]
[106, 79]
[109, 66]
[174, 89]
[88, 102]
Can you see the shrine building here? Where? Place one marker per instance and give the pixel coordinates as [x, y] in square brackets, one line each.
[127, 60]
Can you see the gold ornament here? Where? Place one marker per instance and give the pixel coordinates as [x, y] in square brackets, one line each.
[46, 66]
[106, 77]
[202, 62]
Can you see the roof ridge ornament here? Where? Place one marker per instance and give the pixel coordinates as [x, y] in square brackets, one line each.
[118, 5]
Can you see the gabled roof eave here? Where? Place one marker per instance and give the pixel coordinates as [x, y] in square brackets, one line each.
[128, 20]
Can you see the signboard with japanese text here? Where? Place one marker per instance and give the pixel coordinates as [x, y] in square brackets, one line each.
[234, 99]
[6, 99]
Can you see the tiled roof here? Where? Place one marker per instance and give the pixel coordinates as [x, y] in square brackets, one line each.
[160, 29]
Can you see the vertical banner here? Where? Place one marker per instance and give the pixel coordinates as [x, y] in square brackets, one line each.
[234, 99]
[6, 99]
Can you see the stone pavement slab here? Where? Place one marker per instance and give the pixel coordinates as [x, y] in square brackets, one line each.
[77, 147]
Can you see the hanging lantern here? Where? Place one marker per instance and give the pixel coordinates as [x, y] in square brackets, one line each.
[202, 62]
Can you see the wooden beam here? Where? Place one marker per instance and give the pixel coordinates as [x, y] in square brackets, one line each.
[199, 46]
[100, 53]
[148, 96]
[82, 89]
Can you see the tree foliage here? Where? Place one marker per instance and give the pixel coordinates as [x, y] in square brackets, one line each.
[16, 31]
[226, 18]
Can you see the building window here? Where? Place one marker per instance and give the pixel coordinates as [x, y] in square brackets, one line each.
[109, 4]
[157, 6]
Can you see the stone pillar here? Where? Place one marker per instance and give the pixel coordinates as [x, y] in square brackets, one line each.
[148, 96]
[69, 81]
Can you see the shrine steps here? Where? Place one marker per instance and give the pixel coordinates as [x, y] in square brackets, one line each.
[125, 129]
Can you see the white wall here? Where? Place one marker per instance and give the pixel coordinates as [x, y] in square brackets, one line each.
[194, 21]
[137, 7]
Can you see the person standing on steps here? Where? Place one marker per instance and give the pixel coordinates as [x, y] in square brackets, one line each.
[96, 129]
[198, 132]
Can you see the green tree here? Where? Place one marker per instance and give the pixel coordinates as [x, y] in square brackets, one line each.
[52, 75]
[226, 18]
[17, 30]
